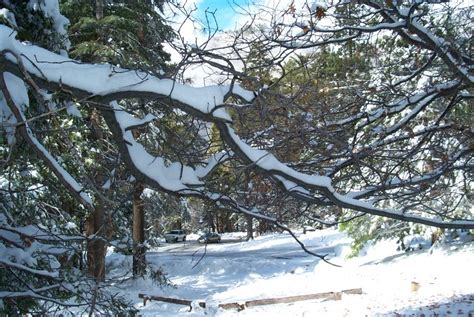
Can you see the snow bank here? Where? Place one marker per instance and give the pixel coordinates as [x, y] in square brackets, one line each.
[274, 266]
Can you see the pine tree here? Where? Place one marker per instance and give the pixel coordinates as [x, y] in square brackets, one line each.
[128, 34]
[40, 217]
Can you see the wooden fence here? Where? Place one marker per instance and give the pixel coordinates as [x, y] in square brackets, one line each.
[252, 303]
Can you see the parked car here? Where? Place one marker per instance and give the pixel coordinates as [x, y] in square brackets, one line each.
[210, 237]
[307, 229]
[175, 236]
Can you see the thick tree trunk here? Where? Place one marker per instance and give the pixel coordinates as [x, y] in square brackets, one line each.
[96, 246]
[218, 223]
[96, 226]
[262, 227]
[139, 250]
[249, 227]
[210, 221]
[229, 224]
[99, 9]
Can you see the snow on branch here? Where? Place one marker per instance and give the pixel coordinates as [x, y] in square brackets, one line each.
[170, 176]
[34, 293]
[415, 32]
[25, 268]
[107, 80]
[419, 100]
[16, 97]
[269, 164]
[397, 182]
[105, 83]
[16, 234]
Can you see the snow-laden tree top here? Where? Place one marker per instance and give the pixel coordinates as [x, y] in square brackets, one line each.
[367, 172]
[320, 111]
[106, 83]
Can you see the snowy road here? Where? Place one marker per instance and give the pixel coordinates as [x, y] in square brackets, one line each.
[193, 249]
[275, 266]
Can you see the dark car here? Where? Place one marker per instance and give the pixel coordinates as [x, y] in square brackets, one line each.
[209, 237]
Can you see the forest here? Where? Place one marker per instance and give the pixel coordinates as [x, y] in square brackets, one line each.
[356, 115]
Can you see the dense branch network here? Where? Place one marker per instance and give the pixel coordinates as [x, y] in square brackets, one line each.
[323, 113]
[379, 126]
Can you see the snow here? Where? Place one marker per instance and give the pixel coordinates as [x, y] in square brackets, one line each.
[17, 90]
[212, 162]
[291, 186]
[269, 162]
[50, 9]
[22, 267]
[9, 16]
[72, 110]
[273, 265]
[106, 79]
[172, 176]
[19, 95]
[206, 102]
[64, 174]
[319, 5]
[246, 94]
[7, 119]
[70, 225]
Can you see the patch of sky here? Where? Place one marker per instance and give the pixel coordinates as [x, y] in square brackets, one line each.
[221, 14]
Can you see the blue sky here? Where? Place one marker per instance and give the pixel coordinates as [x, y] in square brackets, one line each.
[225, 13]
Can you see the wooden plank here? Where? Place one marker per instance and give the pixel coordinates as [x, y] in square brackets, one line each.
[237, 306]
[257, 302]
[355, 291]
[291, 299]
[177, 301]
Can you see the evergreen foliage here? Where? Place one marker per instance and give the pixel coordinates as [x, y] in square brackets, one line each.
[130, 34]
[125, 36]
[359, 126]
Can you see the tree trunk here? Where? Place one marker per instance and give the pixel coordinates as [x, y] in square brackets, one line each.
[218, 222]
[139, 250]
[249, 227]
[96, 221]
[262, 227]
[210, 220]
[99, 9]
[229, 224]
[96, 246]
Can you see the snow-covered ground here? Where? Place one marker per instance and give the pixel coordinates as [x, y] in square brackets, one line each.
[274, 266]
